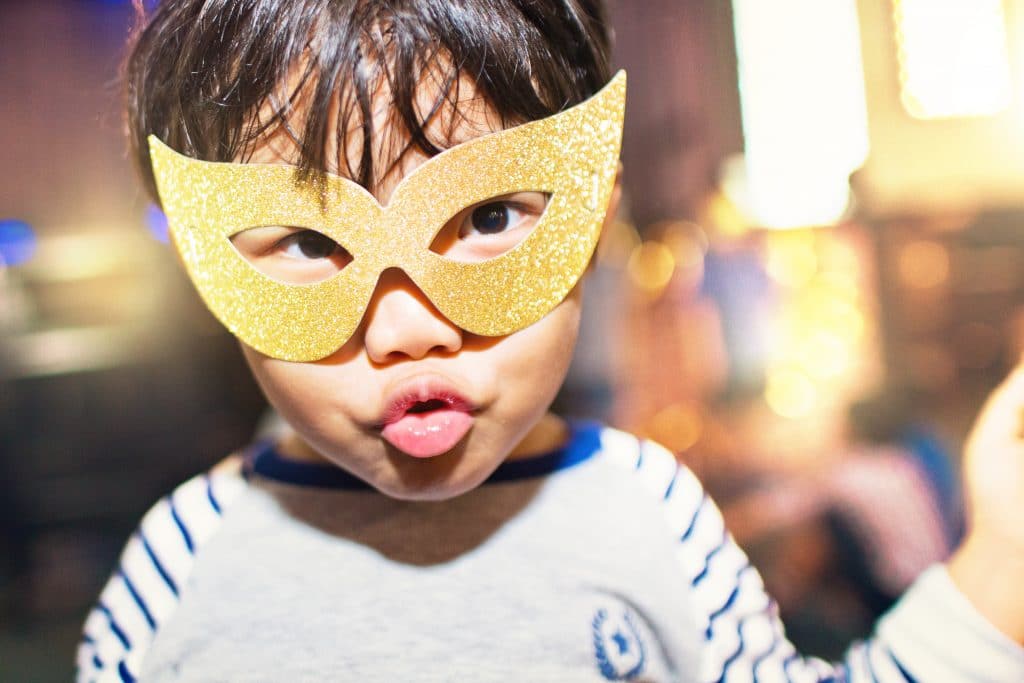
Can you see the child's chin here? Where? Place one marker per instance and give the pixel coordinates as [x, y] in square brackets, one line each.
[433, 492]
[438, 478]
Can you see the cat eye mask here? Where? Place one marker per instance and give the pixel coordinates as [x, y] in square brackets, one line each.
[570, 157]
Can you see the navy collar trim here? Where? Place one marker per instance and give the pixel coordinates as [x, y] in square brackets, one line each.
[263, 459]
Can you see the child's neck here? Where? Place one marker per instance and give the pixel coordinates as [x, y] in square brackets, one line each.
[549, 434]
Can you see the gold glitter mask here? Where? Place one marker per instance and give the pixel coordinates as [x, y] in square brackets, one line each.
[571, 156]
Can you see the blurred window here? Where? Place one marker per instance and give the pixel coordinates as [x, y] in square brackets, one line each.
[953, 57]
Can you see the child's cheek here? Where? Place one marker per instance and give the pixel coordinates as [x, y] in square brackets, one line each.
[540, 354]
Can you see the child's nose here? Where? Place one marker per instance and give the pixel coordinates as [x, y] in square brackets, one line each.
[401, 322]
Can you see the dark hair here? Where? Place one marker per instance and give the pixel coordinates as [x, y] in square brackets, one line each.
[199, 71]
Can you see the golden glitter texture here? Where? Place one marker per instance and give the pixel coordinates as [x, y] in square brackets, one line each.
[572, 156]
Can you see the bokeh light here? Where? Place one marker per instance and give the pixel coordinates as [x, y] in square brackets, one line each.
[923, 264]
[156, 223]
[18, 242]
[723, 212]
[790, 393]
[678, 426]
[651, 266]
[791, 262]
[826, 355]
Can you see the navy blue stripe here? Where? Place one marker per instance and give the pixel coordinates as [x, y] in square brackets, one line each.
[717, 613]
[761, 658]
[181, 526]
[707, 560]
[126, 675]
[728, 602]
[639, 455]
[97, 662]
[671, 484]
[138, 599]
[86, 638]
[735, 655]
[786, 663]
[249, 455]
[906, 674]
[693, 521]
[158, 565]
[114, 627]
[739, 633]
[867, 661]
[267, 463]
[584, 442]
[732, 658]
[209, 494]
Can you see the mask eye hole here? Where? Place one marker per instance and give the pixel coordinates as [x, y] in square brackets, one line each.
[293, 255]
[490, 228]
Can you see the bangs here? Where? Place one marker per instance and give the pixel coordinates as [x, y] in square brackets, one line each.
[213, 78]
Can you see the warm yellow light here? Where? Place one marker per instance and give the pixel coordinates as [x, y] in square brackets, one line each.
[725, 216]
[825, 355]
[686, 241]
[819, 310]
[650, 266]
[804, 112]
[844, 320]
[790, 393]
[953, 57]
[677, 427]
[839, 258]
[839, 285]
[88, 254]
[792, 263]
[923, 264]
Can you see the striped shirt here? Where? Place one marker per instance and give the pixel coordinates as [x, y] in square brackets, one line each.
[933, 634]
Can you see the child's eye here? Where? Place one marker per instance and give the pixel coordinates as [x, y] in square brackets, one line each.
[491, 219]
[291, 254]
[500, 215]
[490, 228]
[308, 244]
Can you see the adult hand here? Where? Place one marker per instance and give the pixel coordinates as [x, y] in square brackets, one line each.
[989, 565]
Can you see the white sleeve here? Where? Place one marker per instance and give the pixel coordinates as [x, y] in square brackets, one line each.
[143, 590]
[932, 635]
[966, 647]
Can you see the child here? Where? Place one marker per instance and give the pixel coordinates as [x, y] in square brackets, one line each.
[425, 517]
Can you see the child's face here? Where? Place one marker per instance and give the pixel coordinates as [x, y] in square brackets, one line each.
[412, 404]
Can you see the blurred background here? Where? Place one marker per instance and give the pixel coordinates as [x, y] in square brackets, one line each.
[817, 277]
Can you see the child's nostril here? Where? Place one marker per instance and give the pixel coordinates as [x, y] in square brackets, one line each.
[427, 406]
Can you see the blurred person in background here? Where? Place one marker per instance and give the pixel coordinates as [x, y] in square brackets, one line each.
[839, 544]
[842, 534]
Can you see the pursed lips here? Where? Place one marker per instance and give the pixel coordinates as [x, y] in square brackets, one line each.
[426, 417]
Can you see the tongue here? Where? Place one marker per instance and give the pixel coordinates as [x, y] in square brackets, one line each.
[424, 435]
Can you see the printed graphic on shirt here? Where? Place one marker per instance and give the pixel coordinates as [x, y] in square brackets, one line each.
[618, 648]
